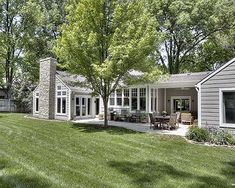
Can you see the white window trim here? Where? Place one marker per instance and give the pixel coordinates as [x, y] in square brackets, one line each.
[61, 97]
[36, 97]
[86, 105]
[181, 97]
[225, 125]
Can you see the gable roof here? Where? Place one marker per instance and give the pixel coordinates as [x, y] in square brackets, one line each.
[216, 71]
[74, 82]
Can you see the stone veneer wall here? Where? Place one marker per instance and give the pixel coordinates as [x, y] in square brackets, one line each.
[47, 88]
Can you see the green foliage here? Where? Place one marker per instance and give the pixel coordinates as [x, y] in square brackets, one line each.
[104, 40]
[220, 136]
[210, 134]
[186, 25]
[198, 134]
[19, 21]
[41, 154]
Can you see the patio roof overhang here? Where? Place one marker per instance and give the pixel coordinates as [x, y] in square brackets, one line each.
[173, 85]
[187, 80]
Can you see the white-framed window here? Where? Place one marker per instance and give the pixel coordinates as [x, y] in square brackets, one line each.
[181, 104]
[37, 102]
[112, 99]
[61, 100]
[119, 97]
[227, 107]
[134, 99]
[126, 94]
[142, 94]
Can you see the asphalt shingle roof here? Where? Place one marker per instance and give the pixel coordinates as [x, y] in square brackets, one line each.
[74, 81]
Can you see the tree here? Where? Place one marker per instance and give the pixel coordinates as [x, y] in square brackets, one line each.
[18, 22]
[47, 31]
[103, 40]
[187, 24]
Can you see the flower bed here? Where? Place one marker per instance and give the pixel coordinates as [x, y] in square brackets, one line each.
[210, 135]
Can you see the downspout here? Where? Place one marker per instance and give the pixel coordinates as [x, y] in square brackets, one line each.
[198, 88]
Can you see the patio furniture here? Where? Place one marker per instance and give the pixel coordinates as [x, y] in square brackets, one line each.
[187, 118]
[162, 120]
[123, 116]
[152, 122]
[136, 117]
[178, 117]
[172, 123]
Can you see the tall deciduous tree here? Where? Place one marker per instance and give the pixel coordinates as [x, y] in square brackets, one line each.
[104, 39]
[186, 24]
[18, 22]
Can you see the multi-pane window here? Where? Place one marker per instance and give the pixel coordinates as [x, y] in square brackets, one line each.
[134, 100]
[228, 107]
[61, 98]
[37, 102]
[126, 93]
[119, 97]
[112, 99]
[142, 99]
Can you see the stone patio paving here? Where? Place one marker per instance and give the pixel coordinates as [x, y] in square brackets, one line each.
[140, 127]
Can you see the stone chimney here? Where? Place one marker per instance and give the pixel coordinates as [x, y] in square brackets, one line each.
[47, 88]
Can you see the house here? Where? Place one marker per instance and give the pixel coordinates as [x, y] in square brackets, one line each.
[216, 96]
[58, 97]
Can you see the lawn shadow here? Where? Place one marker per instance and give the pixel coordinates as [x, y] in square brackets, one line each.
[156, 174]
[229, 171]
[19, 180]
[92, 128]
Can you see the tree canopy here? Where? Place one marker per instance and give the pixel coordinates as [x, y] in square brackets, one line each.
[186, 25]
[105, 39]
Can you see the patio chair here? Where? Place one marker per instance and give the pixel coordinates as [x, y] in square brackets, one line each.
[187, 118]
[178, 116]
[152, 122]
[172, 123]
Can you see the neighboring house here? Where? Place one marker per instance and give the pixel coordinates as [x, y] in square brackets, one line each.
[57, 97]
[216, 95]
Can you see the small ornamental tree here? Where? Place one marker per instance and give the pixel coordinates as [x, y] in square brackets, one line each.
[103, 40]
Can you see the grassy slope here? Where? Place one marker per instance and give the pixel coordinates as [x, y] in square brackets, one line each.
[36, 153]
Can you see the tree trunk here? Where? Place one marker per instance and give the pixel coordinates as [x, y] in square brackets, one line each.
[105, 103]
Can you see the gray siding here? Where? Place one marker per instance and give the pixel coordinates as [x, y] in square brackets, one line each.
[210, 109]
[181, 92]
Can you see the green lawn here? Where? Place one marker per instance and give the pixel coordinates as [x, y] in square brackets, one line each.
[35, 153]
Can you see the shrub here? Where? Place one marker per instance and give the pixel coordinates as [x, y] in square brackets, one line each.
[211, 134]
[198, 134]
[221, 137]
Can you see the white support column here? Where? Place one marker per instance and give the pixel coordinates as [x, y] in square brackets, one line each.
[164, 99]
[157, 105]
[199, 105]
[138, 98]
[130, 98]
[149, 99]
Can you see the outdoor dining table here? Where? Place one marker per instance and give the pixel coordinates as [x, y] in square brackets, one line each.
[162, 119]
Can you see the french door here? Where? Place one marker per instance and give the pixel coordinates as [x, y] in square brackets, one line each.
[82, 106]
[180, 104]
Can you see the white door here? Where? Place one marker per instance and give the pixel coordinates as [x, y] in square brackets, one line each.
[83, 106]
